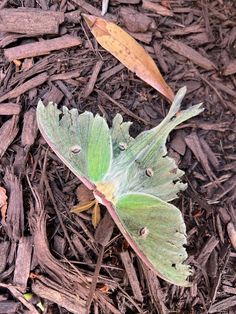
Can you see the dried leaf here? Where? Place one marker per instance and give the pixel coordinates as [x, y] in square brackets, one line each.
[82, 207]
[96, 215]
[3, 204]
[129, 52]
[83, 194]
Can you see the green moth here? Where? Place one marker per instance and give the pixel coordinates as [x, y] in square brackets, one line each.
[133, 177]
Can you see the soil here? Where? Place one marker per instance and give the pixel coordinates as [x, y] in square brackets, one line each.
[52, 258]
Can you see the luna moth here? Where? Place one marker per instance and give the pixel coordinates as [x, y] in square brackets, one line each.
[132, 177]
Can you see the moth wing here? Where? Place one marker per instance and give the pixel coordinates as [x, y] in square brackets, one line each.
[145, 166]
[120, 135]
[82, 142]
[156, 231]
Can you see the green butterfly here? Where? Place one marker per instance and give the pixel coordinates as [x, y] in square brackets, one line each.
[133, 178]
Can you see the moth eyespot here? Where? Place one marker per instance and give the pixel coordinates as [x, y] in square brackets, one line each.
[75, 149]
[143, 232]
[123, 146]
[149, 172]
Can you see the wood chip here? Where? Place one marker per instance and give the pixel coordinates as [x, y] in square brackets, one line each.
[9, 109]
[15, 212]
[232, 234]
[160, 58]
[19, 90]
[131, 273]
[189, 53]
[53, 292]
[230, 68]
[8, 132]
[81, 249]
[66, 75]
[207, 249]
[41, 48]
[4, 250]
[155, 291]
[30, 21]
[18, 295]
[193, 142]
[135, 21]
[192, 29]
[94, 11]
[143, 37]
[93, 78]
[113, 71]
[156, 8]
[210, 154]
[223, 305]
[23, 262]
[54, 95]
[30, 128]
[9, 307]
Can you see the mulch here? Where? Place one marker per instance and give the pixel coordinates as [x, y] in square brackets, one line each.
[48, 254]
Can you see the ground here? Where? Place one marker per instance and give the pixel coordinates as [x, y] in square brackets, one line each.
[50, 252]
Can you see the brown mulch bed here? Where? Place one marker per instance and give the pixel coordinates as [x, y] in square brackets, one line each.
[57, 256]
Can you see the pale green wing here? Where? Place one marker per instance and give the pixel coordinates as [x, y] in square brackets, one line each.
[121, 138]
[82, 142]
[156, 232]
[144, 166]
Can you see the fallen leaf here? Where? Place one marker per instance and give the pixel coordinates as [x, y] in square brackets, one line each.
[82, 207]
[122, 46]
[3, 204]
[83, 194]
[96, 215]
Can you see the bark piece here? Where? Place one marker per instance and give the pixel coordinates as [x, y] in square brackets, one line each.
[23, 261]
[192, 29]
[126, 1]
[18, 295]
[232, 233]
[19, 90]
[207, 250]
[113, 71]
[54, 95]
[8, 132]
[4, 249]
[41, 48]
[53, 292]
[223, 305]
[30, 128]
[73, 17]
[194, 144]
[15, 213]
[135, 21]
[189, 53]
[131, 273]
[160, 57]
[157, 8]
[66, 75]
[93, 78]
[230, 68]
[81, 249]
[155, 291]
[8, 307]
[9, 109]
[94, 11]
[30, 21]
[143, 37]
